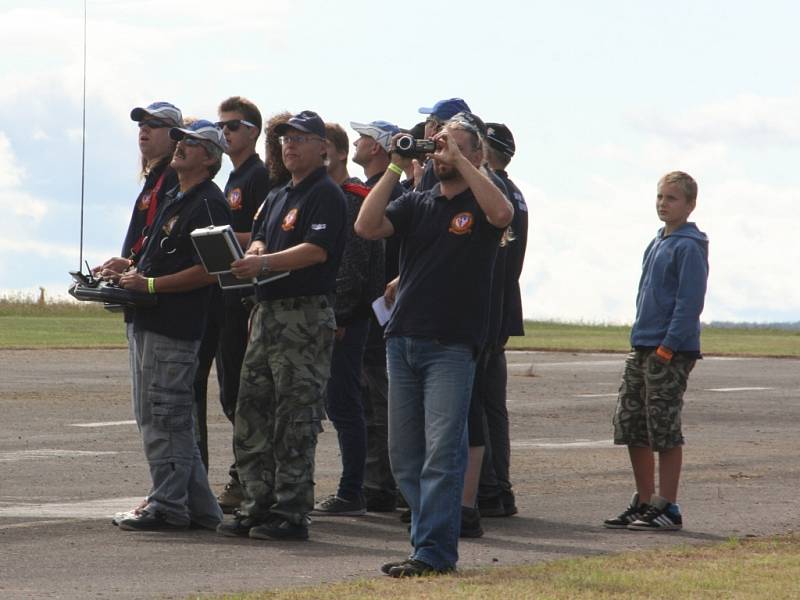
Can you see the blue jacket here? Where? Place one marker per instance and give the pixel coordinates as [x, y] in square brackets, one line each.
[672, 290]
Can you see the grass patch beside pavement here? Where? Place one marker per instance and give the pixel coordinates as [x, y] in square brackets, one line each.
[751, 569]
[547, 335]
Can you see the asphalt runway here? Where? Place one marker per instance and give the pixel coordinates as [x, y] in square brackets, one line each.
[70, 457]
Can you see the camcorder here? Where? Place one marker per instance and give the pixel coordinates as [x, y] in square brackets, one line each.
[406, 145]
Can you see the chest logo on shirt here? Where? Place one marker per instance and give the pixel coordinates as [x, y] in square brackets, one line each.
[289, 220]
[144, 200]
[461, 223]
[169, 225]
[235, 199]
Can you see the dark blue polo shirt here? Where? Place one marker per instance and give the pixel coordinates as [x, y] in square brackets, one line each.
[138, 221]
[169, 249]
[246, 189]
[313, 211]
[447, 253]
[513, 323]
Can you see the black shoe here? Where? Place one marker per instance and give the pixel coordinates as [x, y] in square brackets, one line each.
[279, 528]
[415, 568]
[405, 516]
[509, 503]
[470, 523]
[149, 521]
[634, 512]
[660, 516]
[380, 500]
[238, 527]
[386, 567]
[491, 507]
[334, 506]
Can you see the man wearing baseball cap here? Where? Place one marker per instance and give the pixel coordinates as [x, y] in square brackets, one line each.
[166, 337]
[288, 356]
[438, 115]
[380, 490]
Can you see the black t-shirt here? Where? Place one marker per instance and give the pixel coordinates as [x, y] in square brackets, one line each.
[169, 249]
[392, 248]
[515, 256]
[245, 191]
[313, 211]
[447, 254]
[136, 227]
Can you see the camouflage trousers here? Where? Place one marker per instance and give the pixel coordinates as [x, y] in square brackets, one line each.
[280, 405]
[650, 400]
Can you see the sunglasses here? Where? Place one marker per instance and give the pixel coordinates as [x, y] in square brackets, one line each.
[297, 139]
[233, 124]
[190, 141]
[153, 124]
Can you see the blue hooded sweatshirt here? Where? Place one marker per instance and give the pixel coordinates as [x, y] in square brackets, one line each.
[672, 290]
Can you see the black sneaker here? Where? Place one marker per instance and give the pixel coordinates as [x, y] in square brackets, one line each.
[470, 523]
[231, 497]
[633, 512]
[415, 568]
[491, 506]
[146, 520]
[386, 567]
[380, 500]
[279, 528]
[238, 527]
[662, 515]
[509, 503]
[334, 506]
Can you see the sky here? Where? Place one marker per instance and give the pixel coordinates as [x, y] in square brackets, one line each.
[602, 98]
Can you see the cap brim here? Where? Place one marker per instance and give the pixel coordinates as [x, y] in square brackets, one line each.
[139, 114]
[281, 129]
[426, 111]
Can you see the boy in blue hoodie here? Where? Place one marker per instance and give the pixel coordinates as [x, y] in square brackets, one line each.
[666, 343]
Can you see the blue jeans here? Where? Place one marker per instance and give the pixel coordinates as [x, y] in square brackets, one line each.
[430, 385]
[346, 410]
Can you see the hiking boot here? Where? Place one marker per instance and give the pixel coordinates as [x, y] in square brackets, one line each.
[415, 568]
[380, 500]
[662, 515]
[130, 513]
[146, 520]
[278, 528]
[231, 497]
[628, 516]
[470, 523]
[239, 526]
[334, 506]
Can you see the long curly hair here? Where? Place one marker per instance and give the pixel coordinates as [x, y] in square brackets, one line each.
[278, 174]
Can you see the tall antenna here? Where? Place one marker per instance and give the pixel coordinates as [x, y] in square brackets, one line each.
[83, 135]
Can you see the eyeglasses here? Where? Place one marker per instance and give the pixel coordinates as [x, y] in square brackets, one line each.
[233, 124]
[153, 124]
[297, 139]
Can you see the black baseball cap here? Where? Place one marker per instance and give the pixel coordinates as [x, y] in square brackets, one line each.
[499, 137]
[307, 121]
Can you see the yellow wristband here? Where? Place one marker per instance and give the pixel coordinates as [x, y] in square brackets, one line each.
[395, 169]
[151, 285]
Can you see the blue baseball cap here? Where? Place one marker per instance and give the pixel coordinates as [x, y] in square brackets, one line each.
[444, 109]
[201, 130]
[380, 131]
[307, 121]
[165, 111]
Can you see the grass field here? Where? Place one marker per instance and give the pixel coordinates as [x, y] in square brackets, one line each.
[26, 324]
[751, 569]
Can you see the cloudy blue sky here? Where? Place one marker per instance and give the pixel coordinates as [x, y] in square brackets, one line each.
[603, 98]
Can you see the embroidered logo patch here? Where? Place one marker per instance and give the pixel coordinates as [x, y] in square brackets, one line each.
[169, 225]
[289, 220]
[461, 223]
[144, 201]
[319, 226]
[235, 199]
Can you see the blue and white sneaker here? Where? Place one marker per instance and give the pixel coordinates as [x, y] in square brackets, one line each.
[634, 512]
[662, 515]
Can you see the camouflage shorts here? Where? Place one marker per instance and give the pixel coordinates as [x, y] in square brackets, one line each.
[648, 412]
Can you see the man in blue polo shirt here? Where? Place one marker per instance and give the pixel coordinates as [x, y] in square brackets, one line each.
[449, 239]
[287, 362]
[167, 337]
